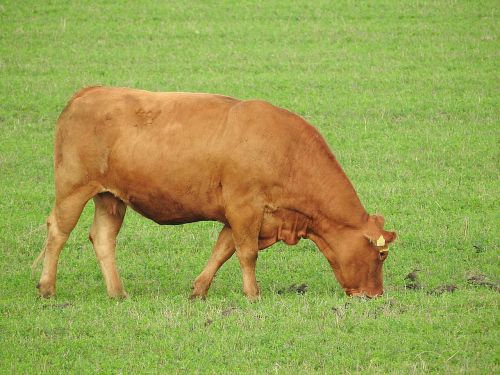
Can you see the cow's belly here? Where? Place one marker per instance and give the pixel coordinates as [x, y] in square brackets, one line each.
[165, 207]
[168, 178]
[170, 199]
[168, 210]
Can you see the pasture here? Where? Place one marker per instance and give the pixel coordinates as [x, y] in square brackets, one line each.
[406, 95]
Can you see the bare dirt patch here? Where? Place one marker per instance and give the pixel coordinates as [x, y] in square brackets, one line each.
[448, 288]
[208, 322]
[412, 281]
[294, 288]
[340, 311]
[478, 248]
[481, 280]
[59, 306]
[229, 311]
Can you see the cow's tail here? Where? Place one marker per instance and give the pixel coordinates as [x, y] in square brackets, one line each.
[39, 257]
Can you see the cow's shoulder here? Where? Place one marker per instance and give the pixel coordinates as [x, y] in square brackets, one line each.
[269, 114]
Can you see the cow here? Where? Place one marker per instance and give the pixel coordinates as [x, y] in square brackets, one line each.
[265, 173]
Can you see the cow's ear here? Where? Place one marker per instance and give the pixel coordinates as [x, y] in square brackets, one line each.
[389, 236]
[375, 232]
[381, 238]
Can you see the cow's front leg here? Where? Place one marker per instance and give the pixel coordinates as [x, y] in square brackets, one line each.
[248, 260]
[222, 251]
[245, 224]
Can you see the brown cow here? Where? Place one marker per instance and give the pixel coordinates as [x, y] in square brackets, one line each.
[177, 158]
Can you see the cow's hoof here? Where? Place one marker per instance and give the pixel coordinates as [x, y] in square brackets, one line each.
[196, 296]
[252, 293]
[200, 287]
[119, 295]
[46, 291]
[199, 292]
[253, 298]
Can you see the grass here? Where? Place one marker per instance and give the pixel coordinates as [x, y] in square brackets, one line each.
[406, 93]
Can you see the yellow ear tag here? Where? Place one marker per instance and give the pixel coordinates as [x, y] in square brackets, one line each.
[381, 241]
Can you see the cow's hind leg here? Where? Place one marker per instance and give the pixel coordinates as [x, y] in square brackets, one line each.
[60, 223]
[108, 219]
[223, 250]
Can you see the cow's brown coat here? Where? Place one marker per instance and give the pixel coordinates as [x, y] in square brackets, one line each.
[182, 157]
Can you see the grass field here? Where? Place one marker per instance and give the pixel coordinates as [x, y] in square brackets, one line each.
[406, 94]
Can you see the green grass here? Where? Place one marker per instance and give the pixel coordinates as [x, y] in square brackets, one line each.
[406, 93]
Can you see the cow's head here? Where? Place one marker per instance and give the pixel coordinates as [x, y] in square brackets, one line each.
[357, 255]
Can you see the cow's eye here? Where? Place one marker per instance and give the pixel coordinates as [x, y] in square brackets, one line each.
[383, 254]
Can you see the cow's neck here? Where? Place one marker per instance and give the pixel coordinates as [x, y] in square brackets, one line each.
[326, 194]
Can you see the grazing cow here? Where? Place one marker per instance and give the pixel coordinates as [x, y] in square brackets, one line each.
[262, 171]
